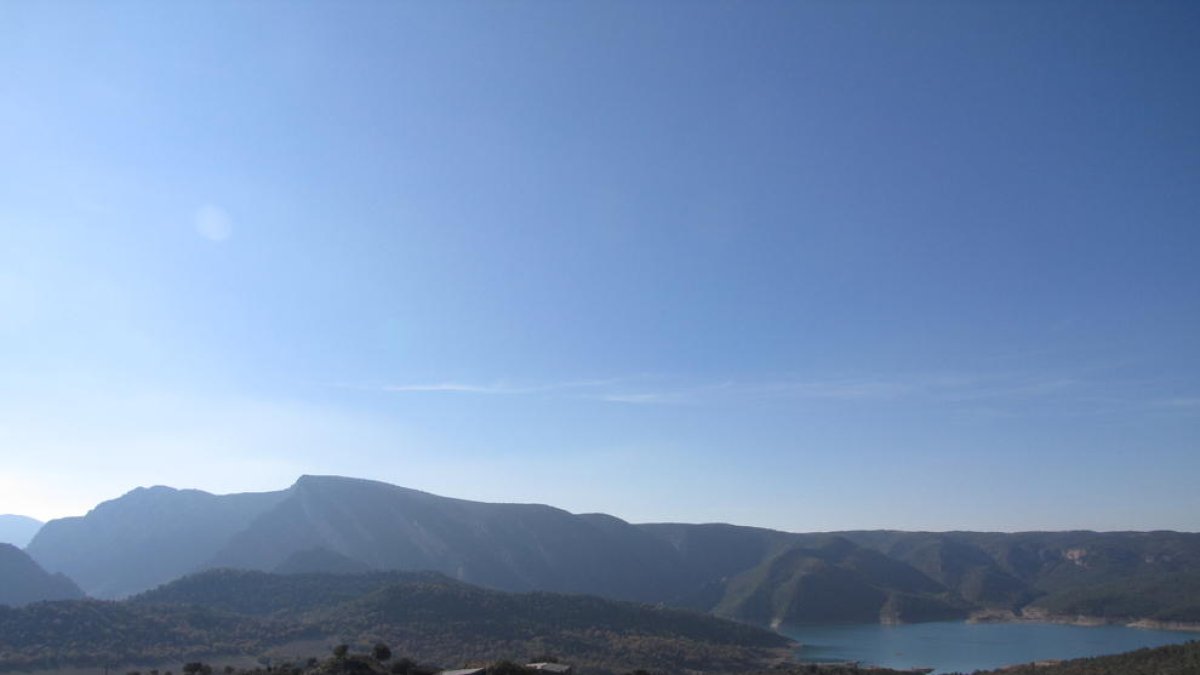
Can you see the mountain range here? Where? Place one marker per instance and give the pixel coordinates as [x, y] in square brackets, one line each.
[154, 535]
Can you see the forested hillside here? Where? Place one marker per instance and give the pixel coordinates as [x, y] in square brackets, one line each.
[426, 616]
[1181, 659]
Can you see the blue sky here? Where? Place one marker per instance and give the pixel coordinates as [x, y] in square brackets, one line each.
[816, 265]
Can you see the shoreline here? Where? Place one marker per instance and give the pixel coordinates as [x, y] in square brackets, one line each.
[1036, 616]
[1187, 632]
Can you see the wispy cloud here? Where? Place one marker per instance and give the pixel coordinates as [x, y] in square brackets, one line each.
[846, 390]
[458, 388]
[637, 399]
[502, 388]
[1186, 404]
[990, 391]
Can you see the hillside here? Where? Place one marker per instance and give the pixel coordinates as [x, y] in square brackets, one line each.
[836, 581]
[425, 616]
[1113, 575]
[514, 547]
[17, 530]
[261, 594]
[22, 581]
[955, 561]
[1181, 659]
[320, 560]
[1162, 597]
[82, 633]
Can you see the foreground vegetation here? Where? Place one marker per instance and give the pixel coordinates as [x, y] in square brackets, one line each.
[382, 661]
[429, 618]
[1181, 659]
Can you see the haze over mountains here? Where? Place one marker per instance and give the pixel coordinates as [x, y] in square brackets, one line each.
[17, 530]
[330, 524]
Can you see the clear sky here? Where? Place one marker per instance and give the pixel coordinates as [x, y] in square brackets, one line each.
[807, 265]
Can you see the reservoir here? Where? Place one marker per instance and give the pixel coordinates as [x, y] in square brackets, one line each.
[957, 646]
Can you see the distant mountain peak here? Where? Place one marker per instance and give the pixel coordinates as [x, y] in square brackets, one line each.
[18, 517]
[18, 530]
[347, 482]
[308, 479]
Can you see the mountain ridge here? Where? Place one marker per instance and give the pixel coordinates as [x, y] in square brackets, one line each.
[329, 523]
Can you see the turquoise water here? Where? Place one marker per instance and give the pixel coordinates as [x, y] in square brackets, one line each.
[964, 647]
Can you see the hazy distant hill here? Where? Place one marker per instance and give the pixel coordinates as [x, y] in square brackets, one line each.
[331, 524]
[144, 538]
[22, 581]
[150, 536]
[17, 530]
[423, 615]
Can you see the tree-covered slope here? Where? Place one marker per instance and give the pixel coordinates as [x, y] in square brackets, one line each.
[22, 581]
[1057, 572]
[1183, 659]
[836, 581]
[457, 623]
[1161, 597]
[426, 616]
[95, 633]
[956, 563]
[261, 594]
[1058, 561]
